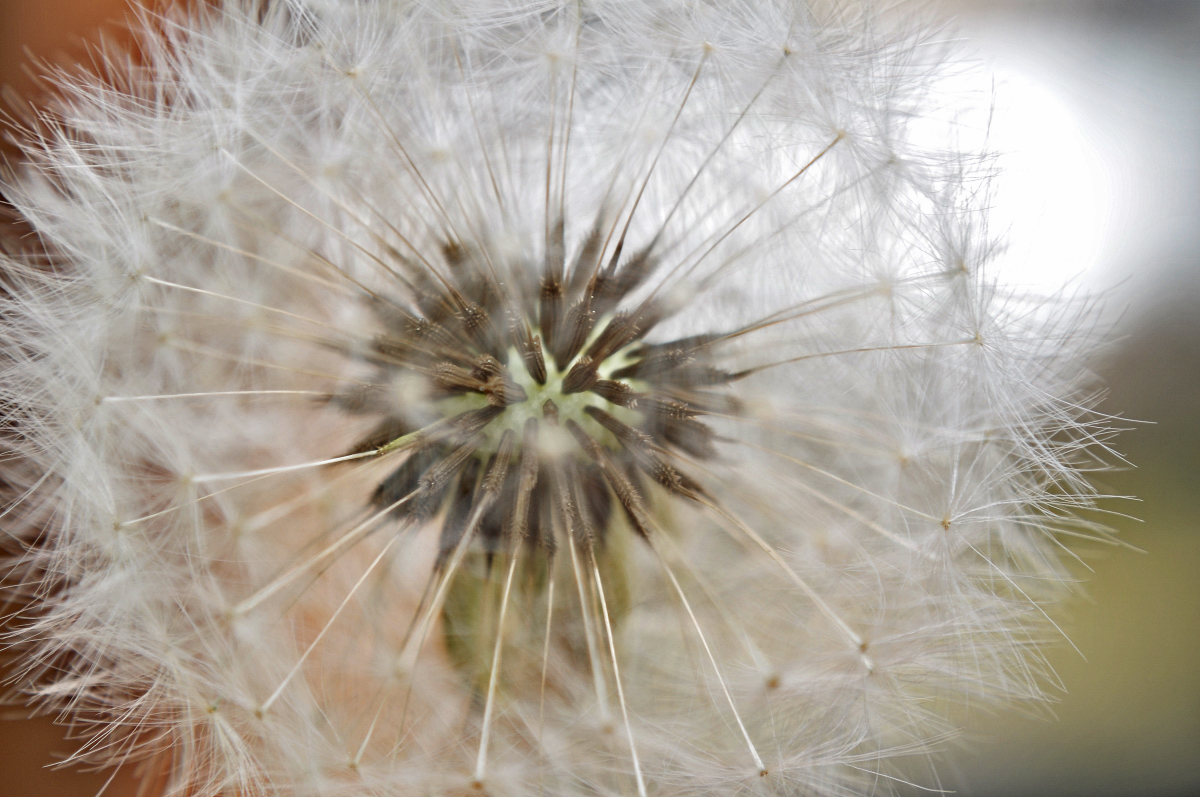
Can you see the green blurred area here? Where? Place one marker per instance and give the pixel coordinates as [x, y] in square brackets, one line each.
[1129, 721]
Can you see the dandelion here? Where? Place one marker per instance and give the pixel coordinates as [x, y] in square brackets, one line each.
[527, 397]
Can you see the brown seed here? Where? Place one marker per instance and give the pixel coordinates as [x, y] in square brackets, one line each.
[530, 348]
[576, 328]
[615, 392]
[581, 377]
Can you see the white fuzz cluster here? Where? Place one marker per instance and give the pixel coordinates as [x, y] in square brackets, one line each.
[567, 397]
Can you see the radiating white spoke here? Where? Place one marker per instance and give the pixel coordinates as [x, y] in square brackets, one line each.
[598, 681]
[349, 538]
[241, 359]
[851, 635]
[246, 474]
[658, 155]
[545, 657]
[246, 302]
[762, 770]
[243, 253]
[727, 616]
[712, 153]
[493, 675]
[266, 706]
[742, 220]
[412, 648]
[612, 649]
[215, 393]
[840, 480]
[318, 219]
[861, 350]
[189, 503]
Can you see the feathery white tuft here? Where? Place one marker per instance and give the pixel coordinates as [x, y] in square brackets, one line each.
[303, 222]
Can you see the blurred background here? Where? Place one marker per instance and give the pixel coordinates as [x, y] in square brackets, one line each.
[1097, 109]
[1099, 101]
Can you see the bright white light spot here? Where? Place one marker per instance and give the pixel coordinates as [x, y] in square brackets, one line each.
[1053, 200]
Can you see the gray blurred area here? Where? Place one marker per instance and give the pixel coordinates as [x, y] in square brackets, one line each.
[1129, 720]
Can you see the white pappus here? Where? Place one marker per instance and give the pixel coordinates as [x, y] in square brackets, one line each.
[527, 397]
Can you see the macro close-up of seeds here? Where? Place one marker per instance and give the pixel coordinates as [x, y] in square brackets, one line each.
[612, 397]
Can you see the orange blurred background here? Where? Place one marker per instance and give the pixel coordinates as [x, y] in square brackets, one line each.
[56, 31]
[59, 32]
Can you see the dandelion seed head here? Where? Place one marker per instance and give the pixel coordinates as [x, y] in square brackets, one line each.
[529, 397]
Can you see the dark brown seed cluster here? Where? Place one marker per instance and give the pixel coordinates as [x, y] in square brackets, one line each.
[504, 366]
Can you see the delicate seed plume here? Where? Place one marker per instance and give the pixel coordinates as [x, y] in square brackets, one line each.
[527, 397]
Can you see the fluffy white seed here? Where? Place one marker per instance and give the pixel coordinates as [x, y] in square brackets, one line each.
[869, 509]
